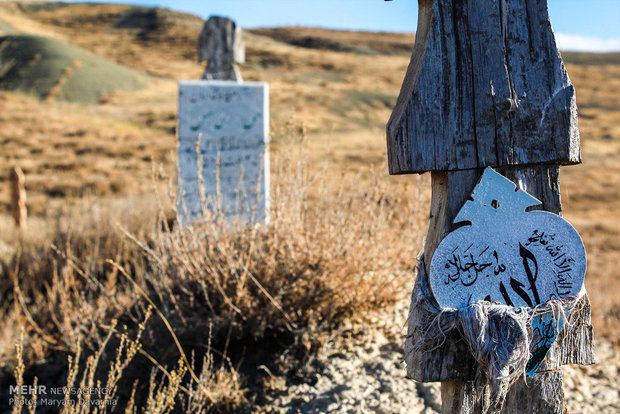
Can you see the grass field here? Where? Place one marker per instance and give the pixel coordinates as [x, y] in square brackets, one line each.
[345, 234]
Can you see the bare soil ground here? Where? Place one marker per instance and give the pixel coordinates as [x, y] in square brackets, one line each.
[363, 371]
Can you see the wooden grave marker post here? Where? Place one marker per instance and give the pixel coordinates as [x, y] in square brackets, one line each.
[18, 197]
[486, 86]
[221, 45]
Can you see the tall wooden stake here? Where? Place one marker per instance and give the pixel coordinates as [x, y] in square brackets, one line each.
[486, 86]
[18, 197]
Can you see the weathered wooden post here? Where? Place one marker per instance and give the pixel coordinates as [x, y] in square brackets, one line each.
[18, 197]
[221, 46]
[486, 86]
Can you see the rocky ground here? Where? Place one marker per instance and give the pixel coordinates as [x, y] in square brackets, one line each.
[362, 371]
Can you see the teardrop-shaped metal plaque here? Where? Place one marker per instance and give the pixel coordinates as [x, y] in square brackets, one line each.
[505, 254]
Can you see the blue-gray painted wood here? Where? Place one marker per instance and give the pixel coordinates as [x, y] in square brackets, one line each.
[452, 363]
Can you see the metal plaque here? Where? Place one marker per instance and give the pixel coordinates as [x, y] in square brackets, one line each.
[504, 254]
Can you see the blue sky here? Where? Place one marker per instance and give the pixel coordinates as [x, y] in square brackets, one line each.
[579, 24]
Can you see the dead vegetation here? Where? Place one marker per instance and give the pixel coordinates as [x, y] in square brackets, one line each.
[225, 302]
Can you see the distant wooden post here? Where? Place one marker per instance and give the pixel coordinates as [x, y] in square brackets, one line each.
[486, 86]
[221, 46]
[18, 197]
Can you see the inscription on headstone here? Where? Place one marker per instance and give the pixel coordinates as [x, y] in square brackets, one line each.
[223, 133]
[508, 255]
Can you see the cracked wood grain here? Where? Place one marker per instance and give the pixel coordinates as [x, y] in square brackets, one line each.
[486, 86]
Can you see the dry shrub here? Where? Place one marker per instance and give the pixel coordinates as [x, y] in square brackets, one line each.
[236, 298]
[215, 389]
[333, 249]
[55, 273]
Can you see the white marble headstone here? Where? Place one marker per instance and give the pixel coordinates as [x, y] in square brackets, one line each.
[228, 123]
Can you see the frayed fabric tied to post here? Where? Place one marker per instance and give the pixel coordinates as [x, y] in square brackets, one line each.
[499, 336]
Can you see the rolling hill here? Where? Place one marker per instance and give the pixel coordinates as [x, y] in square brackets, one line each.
[49, 68]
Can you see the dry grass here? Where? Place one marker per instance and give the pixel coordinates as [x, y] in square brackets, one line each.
[590, 194]
[218, 293]
[215, 389]
[70, 152]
